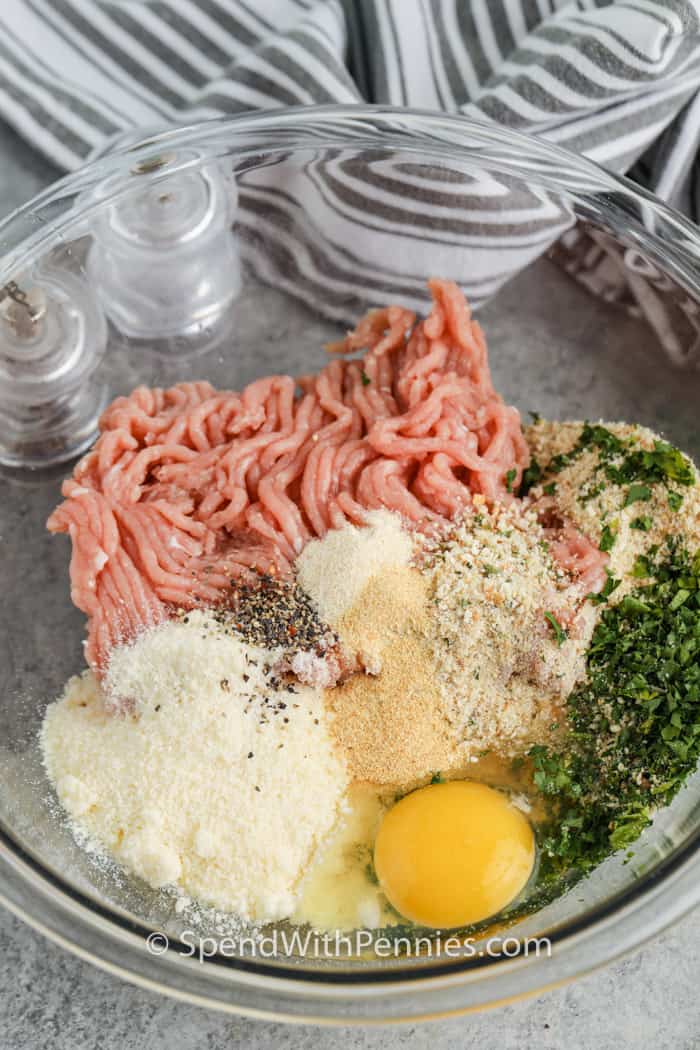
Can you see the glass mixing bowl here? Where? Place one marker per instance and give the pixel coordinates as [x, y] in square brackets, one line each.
[127, 272]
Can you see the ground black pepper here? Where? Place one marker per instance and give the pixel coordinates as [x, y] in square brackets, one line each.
[275, 614]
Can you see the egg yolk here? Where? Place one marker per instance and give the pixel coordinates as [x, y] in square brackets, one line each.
[452, 854]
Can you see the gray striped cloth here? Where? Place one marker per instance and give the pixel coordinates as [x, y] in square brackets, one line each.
[616, 80]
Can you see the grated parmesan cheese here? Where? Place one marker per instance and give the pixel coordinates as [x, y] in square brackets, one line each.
[203, 782]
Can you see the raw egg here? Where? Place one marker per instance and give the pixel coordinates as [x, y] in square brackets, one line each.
[453, 854]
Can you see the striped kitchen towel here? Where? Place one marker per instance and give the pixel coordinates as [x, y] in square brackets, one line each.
[616, 80]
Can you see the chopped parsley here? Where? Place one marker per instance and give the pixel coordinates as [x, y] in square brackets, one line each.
[365, 378]
[624, 464]
[559, 632]
[635, 494]
[436, 778]
[642, 568]
[531, 475]
[591, 436]
[603, 439]
[611, 584]
[590, 491]
[607, 538]
[635, 721]
[663, 463]
[643, 523]
[563, 459]
[550, 489]
[510, 478]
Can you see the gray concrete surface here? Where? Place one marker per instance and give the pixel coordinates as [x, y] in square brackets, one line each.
[51, 1000]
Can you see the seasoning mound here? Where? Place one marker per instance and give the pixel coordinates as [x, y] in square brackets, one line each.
[205, 783]
[280, 615]
[273, 613]
[509, 630]
[334, 570]
[391, 725]
[387, 718]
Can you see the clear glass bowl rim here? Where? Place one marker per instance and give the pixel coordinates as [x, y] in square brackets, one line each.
[114, 940]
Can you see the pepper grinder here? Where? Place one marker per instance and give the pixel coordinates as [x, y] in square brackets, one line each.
[53, 336]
